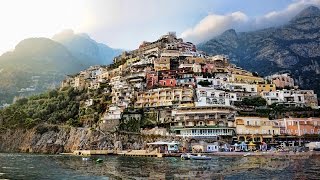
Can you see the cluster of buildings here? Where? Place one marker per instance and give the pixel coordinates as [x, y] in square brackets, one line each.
[192, 93]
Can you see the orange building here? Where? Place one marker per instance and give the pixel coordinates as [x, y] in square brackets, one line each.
[299, 126]
[266, 88]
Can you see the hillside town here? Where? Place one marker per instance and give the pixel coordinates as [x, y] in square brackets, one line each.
[188, 94]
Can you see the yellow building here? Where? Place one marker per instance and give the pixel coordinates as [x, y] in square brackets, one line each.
[108, 75]
[165, 97]
[162, 64]
[266, 88]
[243, 76]
[198, 60]
[256, 129]
[79, 82]
[132, 60]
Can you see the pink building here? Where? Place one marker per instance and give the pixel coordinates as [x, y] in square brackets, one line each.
[168, 82]
[208, 68]
[282, 80]
[152, 79]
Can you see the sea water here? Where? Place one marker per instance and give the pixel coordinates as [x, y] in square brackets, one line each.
[35, 166]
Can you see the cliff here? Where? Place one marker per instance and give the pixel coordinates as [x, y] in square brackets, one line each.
[54, 140]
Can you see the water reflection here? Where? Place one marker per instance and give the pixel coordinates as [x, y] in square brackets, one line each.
[26, 166]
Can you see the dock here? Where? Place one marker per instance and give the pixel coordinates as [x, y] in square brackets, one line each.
[141, 153]
[92, 152]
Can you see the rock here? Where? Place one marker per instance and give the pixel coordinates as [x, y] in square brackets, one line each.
[70, 139]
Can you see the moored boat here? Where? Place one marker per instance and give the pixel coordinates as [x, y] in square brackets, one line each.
[85, 158]
[193, 157]
[99, 160]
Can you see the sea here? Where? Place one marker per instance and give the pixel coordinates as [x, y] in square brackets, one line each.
[40, 166]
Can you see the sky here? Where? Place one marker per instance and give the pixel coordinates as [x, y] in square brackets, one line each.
[126, 23]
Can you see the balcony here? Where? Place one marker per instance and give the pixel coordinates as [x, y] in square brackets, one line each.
[253, 125]
[203, 131]
[187, 93]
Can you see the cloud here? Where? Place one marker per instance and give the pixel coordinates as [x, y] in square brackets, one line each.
[285, 15]
[214, 24]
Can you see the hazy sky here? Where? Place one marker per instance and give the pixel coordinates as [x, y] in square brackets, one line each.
[126, 23]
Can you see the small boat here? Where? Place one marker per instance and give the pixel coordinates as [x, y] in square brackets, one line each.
[185, 156]
[99, 160]
[85, 158]
[247, 154]
[317, 149]
[198, 157]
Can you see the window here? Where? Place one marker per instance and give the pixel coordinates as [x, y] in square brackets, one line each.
[248, 123]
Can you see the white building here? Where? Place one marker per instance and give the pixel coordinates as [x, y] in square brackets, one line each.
[242, 87]
[200, 122]
[216, 83]
[113, 113]
[284, 96]
[122, 92]
[213, 97]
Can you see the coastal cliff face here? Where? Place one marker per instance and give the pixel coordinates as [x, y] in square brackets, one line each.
[67, 139]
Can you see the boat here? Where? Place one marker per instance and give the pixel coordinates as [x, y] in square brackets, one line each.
[99, 160]
[85, 158]
[193, 157]
[316, 149]
[185, 156]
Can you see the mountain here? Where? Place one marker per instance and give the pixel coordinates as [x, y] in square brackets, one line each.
[84, 48]
[35, 65]
[38, 64]
[293, 47]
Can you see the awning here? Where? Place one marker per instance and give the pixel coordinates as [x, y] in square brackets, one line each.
[163, 143]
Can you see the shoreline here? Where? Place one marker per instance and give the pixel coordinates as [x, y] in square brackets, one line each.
[141, 153]
[213, 154]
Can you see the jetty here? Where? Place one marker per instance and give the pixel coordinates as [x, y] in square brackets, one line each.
[141, 153]
[93, 152]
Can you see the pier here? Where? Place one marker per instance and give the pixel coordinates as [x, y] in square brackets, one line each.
[141, 153]
[92, 152]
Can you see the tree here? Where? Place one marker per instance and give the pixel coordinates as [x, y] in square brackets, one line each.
[205, 83]
[256, 101]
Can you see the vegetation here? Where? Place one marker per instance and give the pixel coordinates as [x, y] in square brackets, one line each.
[53, 107]
[148, 120]
[68, 106]
[255, 101]
[205, 83]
